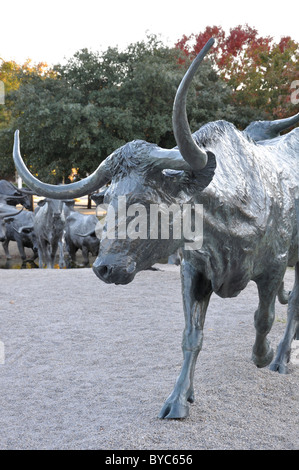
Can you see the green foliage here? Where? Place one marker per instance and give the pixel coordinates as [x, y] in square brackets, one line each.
[12, 75]
[15, 77]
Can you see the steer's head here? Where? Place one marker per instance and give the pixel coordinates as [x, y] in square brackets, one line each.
[142, 213]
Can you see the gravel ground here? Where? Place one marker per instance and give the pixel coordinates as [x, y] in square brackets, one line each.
[89, 365]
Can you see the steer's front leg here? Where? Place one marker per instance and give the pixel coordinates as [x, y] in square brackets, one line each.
[196, 291]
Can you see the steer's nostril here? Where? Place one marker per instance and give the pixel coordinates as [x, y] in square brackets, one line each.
[103, 271]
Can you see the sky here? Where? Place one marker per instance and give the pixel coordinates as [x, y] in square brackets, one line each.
[53, 31]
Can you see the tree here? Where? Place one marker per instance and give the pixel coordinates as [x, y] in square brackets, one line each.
[259, 71]
[13, 75]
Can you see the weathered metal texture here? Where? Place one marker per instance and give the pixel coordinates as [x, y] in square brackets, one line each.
[248, 189]
[20, 228]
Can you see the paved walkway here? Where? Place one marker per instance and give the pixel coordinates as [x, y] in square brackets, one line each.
[88, 366]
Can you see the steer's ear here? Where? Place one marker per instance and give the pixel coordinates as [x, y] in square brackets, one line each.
[98, 198]
[163, 159]
[8, 219]
[42, 202]
[204, 177]
[201, 179]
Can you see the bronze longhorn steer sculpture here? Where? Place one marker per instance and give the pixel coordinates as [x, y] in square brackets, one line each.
[6, 212]
[247, 184]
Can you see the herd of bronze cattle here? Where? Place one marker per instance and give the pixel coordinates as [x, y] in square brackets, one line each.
[53, 229]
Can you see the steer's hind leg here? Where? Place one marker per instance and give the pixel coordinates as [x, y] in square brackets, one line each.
[197, 291]
[282, 357]
[268, 286]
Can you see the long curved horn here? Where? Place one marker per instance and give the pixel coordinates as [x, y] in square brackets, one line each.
[11, 196]
[70, 191]
[282, 124]
[189, 150]
[7, 211]
[265, 130]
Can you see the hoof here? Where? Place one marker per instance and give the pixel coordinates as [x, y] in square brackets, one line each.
[264, 360]
[174, 410]
[279, 367]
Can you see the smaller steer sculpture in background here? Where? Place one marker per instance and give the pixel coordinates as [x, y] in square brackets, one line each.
[49, 223]
[80, 233]
[20, 228]
[6, 211]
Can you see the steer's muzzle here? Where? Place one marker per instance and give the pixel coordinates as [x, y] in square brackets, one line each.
[112, 273]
